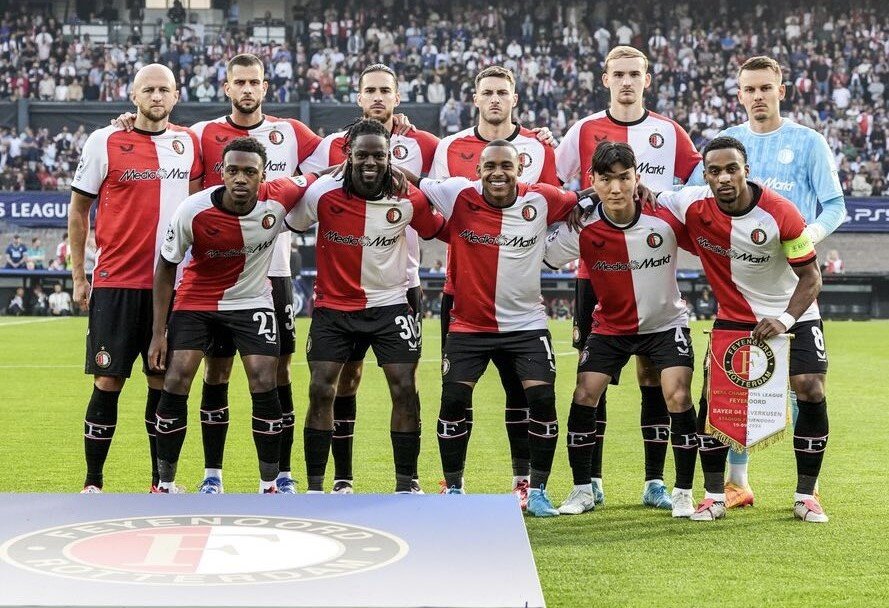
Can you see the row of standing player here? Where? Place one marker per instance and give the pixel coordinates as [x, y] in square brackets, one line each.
[618, 123]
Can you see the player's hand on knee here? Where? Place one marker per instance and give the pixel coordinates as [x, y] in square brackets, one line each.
[125, 121]
[768, 328]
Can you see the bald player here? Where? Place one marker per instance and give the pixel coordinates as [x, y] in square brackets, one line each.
[136, 179]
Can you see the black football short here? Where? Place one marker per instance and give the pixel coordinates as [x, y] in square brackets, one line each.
[254, 331]
[222, 345]
[585, 301]
[808, 352]
[529, 353]
[391, 332]
[119, 331]
[415, 302]
[609, 354]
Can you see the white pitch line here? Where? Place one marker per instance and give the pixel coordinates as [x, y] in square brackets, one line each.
[30, 321]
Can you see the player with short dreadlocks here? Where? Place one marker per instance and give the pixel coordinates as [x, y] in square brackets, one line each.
[360, 293]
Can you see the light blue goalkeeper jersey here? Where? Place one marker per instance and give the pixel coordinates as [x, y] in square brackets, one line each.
[796, 162]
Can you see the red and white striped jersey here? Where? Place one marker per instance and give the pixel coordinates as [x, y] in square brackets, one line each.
[496, 253]
[413, 152]
[664, 152]
[230, 254]
[140, 179]
[458, 156]
[747, 258]
[287, 143]
[632, 269]
[360, 249]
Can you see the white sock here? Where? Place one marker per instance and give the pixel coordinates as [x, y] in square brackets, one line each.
[650, 482]
[797, 497]
[716, 497]
[213, 473]
[284, 475]
[737, 474]
[519, 478]
[265, 485]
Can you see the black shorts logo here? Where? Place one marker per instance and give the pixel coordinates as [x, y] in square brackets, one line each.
[575, 336]
[525, 160]
[445, 366]
[393, 216]
[268, 221]
[529, 213]
[399, 152]
[758, 236]
[656, 140]
[308, 344]
[584, 356]
[103, 359]
[749, 363]
[276, 137]
[654, 240]
[178, 147]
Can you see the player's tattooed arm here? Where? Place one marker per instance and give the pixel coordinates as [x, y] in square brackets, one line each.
[164, 278]
[807, 289]
[126, 121]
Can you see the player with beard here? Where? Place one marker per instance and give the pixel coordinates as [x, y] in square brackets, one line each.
[458, 156]
[665, 155]
[760, 261]
[412, 149]
[230, 231]
[796, 162]
[287, 142]
[360, 293]
[136, 179]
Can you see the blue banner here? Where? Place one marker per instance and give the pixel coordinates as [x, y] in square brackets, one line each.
[35, 209]
[866, 215]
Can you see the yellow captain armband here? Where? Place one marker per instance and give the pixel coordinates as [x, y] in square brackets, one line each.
[798, 248]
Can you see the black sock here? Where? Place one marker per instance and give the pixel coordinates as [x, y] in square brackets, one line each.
[172, 420]
[316, 446]
[416, 473]
[655, 423]
[453, 431]
[685, 447]
[288, 418]
[98, 429]
[516, 417]
[809, 443]
[543, 431]
[404, 451]
[151, 402]
[713, 454]
[601, 421]
[344, 409]
[581, 439]
[214, 423]
[267, 425]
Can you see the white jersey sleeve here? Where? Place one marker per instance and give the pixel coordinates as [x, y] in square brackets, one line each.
[304, 215]
[439, 168]
[443, 193]
[179, 236]
[568, 154]
[93, 166]
[562, 246]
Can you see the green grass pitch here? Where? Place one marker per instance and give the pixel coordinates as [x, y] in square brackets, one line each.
[623, 554]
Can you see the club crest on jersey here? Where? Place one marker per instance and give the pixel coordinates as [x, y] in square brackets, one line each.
[525, 159]
[529, 213]
[127, 148]
[584, 356]
[445, 366]
[103, 359]
[758, 236]
[654, 240]
[656, 140]
[393, 216]
[268, 221]
[178, 147]
[276, 137]
[749, 362]
[399, 152]
[785, 156]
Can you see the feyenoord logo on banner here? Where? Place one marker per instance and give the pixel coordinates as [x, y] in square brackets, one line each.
[198, 550]
[747, 388]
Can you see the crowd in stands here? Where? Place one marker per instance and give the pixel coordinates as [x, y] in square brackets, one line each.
[836, 55]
